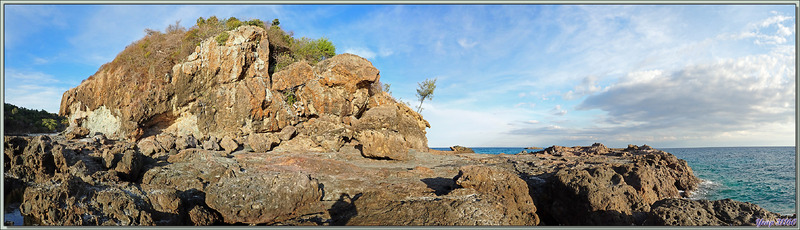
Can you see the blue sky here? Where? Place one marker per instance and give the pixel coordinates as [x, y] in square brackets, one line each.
[508, 75]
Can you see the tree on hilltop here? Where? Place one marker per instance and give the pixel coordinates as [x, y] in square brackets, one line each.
[425, 91]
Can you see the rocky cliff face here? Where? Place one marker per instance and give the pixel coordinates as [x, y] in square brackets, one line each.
[225, 91]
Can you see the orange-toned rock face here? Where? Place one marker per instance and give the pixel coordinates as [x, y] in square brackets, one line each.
[226, 91]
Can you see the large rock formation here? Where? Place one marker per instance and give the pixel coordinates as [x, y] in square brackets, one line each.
[225, 91]
[91, 182]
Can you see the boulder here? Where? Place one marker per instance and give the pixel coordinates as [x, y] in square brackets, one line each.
[76, 133]
[255, 197]
[262, 142]
[211, 144]
[130, 165]
[727, 212]
[185, 142]
[287, 133]
[228, 144]
[382, 145]
[461, 149]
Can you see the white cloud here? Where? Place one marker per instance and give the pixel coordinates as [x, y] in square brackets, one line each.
[33, 90]
[765, 34]
[710, 99]
[464, 43]
[361, 51]
[558, 111]
[587, 86]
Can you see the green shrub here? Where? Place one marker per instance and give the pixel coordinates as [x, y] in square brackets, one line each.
[222, 38]
[282, 61]
[312, 51]
[290, 97]
[255, 22]
[232, 23]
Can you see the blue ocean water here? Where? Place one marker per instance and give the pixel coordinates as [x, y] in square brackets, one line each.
[761, 175]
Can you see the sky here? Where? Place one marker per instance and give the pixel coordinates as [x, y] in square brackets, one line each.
[507, 75]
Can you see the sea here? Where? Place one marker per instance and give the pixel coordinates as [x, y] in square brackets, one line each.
[761, 175]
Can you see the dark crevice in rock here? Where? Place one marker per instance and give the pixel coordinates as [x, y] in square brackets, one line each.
[440, 185]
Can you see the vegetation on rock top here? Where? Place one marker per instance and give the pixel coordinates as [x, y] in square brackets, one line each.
[154, 55]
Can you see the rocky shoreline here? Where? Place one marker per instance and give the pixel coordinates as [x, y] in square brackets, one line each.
[97, 181]
[220, 140]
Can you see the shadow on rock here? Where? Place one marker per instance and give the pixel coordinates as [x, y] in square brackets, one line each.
[440, 185]
[343, 210]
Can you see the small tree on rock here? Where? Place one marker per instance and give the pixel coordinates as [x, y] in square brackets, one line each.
[425, 91]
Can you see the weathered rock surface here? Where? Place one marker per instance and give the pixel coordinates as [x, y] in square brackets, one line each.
[461, 149]
[226, 91]
[683, 212]
[89, 183]
[254, 197]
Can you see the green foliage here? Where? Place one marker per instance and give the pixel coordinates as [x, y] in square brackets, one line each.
[282, 61]
[18, 120]
[255, 22]
[290, 97]
[312, 51]
[232, 23]
[387, 88]
[425, 91]
[222, 37]
[276, 22]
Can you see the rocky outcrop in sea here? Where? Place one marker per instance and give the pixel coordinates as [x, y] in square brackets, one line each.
[219, 141]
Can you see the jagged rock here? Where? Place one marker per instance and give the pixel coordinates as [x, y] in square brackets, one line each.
[77, 133]
[255, 197]
[185, 142]
[262, 142]
[488, 196]
[202, 216]
[616, 194]
[70, 201]
[130, 165]
[727, 212]
[149, 146]
[228, 144]
[505, 187]
[461, 149]
[225, 90]
[29, 158]
[211, 144]
[166, 141]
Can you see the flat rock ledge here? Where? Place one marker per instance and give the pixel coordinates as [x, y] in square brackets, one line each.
[99, 181]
